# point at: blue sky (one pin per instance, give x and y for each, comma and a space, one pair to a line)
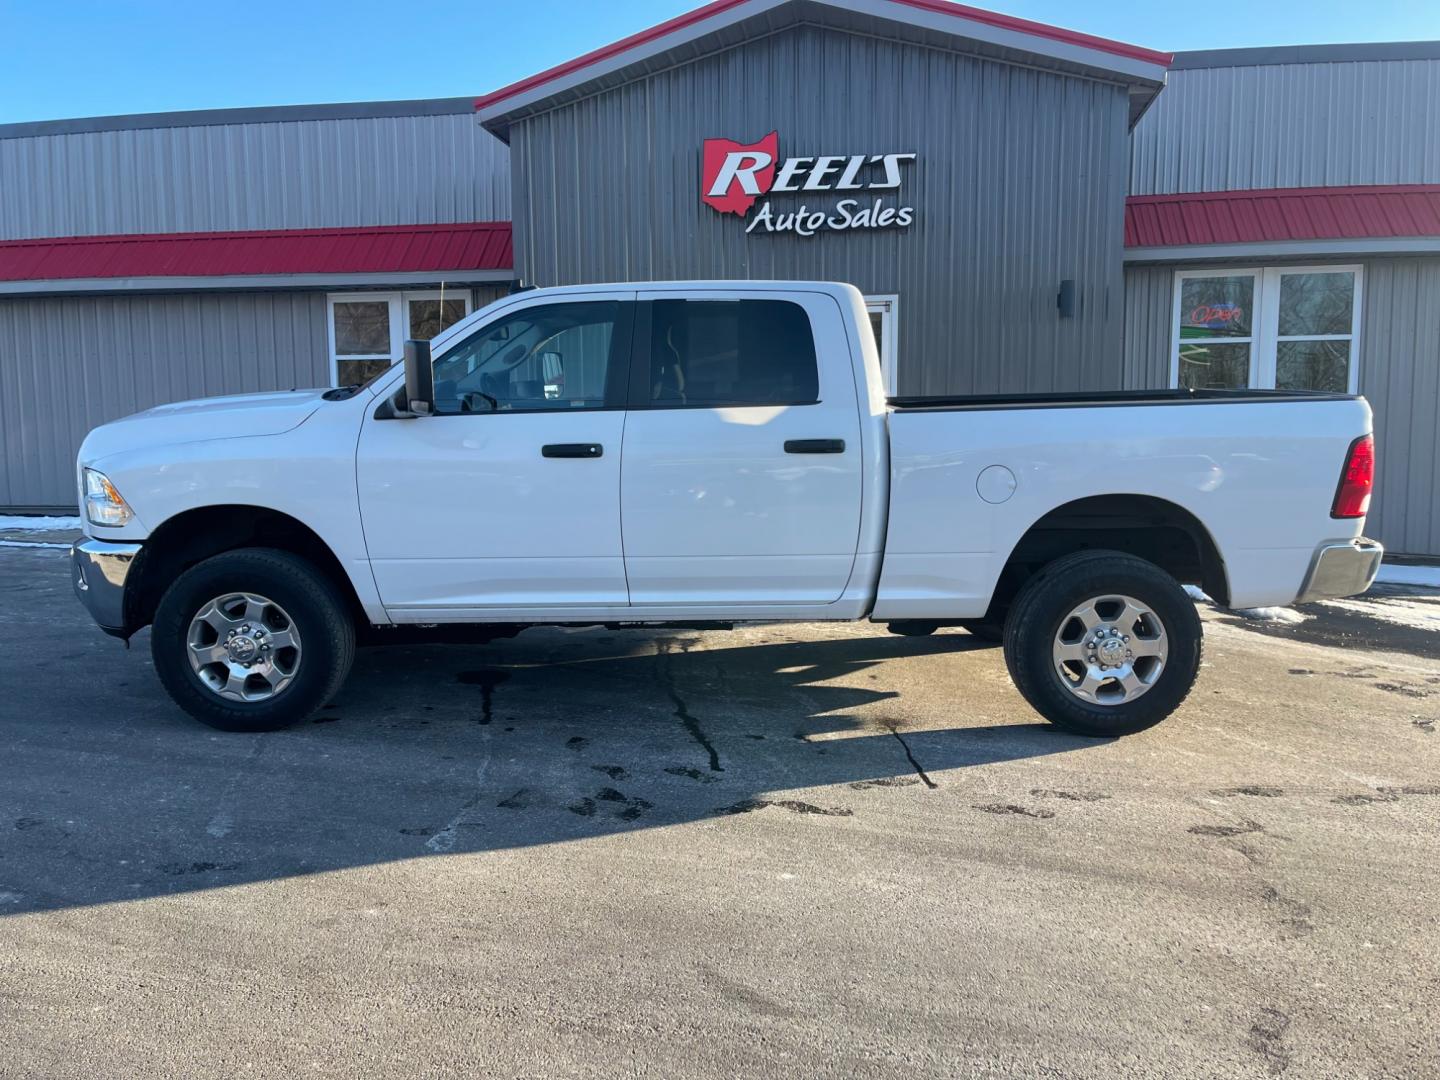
93, 57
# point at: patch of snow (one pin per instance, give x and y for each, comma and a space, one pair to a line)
1271, 614
47, 524
1391, 574
32, 544
1197, 593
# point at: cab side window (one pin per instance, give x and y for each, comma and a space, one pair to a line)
549, 357
730, 352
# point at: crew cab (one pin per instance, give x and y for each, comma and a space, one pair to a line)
707, 453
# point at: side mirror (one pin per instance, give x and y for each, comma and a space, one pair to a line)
419, 379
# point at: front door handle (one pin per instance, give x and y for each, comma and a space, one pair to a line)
814, 446
572, 449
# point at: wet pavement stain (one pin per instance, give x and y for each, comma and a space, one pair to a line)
795, 806
487, 679
1014, 808
1403, 690
576, 742
1069, 796
1257, 790
1222, 831
1266, 1038
886, 782
1295, 914
615, 772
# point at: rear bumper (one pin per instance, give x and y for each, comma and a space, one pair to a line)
1341, 568
99, 570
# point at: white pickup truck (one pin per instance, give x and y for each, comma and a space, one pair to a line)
706, 453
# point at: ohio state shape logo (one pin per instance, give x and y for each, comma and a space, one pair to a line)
735, 175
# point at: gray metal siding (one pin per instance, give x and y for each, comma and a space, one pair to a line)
1400, 374
1291, 125
70, 363
1149, 299
1019, 183
387, 170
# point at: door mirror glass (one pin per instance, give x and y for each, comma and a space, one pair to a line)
419, 379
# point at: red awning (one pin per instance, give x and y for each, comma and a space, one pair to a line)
380, 249
1280, 214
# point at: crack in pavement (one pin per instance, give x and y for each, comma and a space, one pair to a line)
909, 754
682, 711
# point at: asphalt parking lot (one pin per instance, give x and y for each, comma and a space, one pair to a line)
782, 851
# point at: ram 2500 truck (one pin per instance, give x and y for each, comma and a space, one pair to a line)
702, 454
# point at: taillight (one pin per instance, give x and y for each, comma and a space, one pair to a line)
1352, 499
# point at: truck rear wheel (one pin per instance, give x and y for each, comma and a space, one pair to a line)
1103, 643
252, 640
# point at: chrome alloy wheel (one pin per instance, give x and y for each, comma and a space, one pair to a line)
1110, 650
243, 647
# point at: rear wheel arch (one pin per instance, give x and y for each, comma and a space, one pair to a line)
192, 536
1154, 529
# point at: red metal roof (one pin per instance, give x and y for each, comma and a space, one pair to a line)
716, 7
477, 245
1278, 214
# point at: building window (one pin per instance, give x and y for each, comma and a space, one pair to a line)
885, 324
368, 330
1278, 327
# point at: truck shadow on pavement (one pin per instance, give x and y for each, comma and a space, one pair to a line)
109, 793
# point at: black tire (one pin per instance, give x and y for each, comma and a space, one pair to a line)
985, 631
1048, 598
307, 597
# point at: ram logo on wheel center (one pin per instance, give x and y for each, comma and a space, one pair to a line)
736, 175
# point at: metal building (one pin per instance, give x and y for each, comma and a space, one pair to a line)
968, 171
1283, 229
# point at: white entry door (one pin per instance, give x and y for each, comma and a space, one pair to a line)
508, 498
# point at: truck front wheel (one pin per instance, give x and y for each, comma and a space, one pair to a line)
1103, 643
252, 640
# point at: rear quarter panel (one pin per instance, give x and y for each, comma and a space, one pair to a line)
1259, 476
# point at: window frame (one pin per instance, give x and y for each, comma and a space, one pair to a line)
1265, 336
887, 306
638, 398
398, 301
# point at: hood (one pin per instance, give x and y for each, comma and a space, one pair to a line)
206, 418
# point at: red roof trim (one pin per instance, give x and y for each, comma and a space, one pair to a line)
1281, 214
717, 7
379, 249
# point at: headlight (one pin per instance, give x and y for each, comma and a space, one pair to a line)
103, 504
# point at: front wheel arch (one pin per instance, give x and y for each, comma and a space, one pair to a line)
190, 537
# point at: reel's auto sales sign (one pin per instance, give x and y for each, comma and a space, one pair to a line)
735, 176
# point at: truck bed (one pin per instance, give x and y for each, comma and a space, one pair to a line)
1090, 399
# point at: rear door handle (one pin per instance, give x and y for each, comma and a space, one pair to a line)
572, 449
814, 446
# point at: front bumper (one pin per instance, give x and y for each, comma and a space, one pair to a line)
99, 571
1341, 568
